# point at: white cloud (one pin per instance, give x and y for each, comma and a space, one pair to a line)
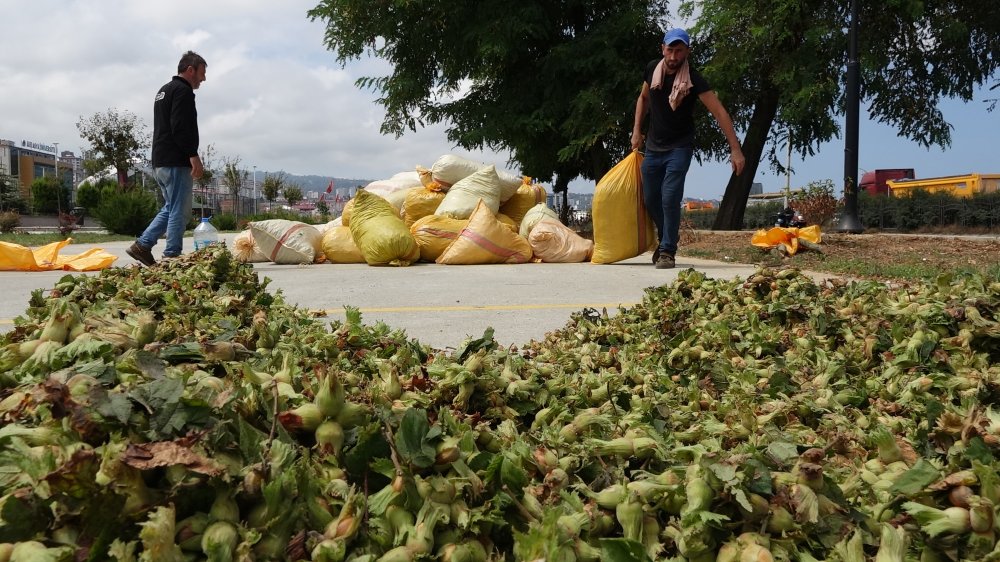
275, 97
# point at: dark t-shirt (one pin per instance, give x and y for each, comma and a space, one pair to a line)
669, 128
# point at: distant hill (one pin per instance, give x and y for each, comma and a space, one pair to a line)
317, 183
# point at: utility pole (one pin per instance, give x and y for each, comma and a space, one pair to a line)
59, 186
255, 190
849, 221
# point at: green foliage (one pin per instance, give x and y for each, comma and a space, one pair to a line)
10, 194
757, 216
117, 138
224, 221
126, 212
293, 194
49, 195
88, 195
552, 82
273, 185
930, 211
9, 220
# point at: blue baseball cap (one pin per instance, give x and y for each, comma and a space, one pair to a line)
677, 34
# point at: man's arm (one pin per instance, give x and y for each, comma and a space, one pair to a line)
641, 107
711, 101
197, 170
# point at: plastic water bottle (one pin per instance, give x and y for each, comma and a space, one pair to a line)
205, 234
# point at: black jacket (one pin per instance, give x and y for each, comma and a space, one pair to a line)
175, 125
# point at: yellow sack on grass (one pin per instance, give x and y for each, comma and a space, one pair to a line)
420, 202
339, 246
287, 242
462, 198
535, 214
553, 242
622, 228
434, 234
486, 240
527, 196
380, 234
15, 257
790, 238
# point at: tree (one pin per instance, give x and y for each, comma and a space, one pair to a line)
323, 209
293, 194
778, 66
235, 178
10, 194
207, 161
272, 186
117, 138
554, 82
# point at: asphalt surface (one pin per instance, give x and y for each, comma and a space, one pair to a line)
438, 305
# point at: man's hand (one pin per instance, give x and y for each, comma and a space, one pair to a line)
737, 161
197, 170
636, 140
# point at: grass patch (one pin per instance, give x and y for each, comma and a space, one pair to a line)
40, 239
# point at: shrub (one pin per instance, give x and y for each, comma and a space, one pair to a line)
127, 213
48, 195
816, 202
224, 221
88, 195
9, 220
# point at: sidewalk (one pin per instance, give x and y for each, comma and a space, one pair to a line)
438, 305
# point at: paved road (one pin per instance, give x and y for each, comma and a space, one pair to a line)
438, 305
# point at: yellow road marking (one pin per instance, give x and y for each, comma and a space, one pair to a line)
470, 308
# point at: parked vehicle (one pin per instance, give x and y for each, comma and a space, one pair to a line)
874, 182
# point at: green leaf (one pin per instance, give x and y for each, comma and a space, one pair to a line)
371, 445
782, 452
759, 480
23, 518
921, 475
115, 406
978, 451
412, 440
512, 475
251, 439
622, 550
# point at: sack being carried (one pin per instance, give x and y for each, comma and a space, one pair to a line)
622, 227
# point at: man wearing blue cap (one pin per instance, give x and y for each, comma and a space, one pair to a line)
669, 89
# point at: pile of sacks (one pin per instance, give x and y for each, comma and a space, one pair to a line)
456, 212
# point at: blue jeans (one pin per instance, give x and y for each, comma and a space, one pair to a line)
663, 176
176, 185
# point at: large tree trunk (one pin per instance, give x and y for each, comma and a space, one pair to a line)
734, 201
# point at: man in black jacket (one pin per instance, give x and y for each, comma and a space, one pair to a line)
176, 163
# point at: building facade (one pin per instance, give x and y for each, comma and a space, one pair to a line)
28, 160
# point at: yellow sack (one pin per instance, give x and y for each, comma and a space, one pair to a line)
622, 228
790, 238
553, 242
345, 215
465, 194
527, 196
535, 214
507, 221
434, 234
339, 246
420, 202
15, 257
486, 240
379, 232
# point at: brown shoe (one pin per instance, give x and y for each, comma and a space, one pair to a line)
656, 255
141, 254
666, 261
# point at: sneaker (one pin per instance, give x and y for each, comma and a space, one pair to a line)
141, 254
656, 256
665, 261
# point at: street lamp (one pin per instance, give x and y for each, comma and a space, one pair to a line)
58, 183
255, 190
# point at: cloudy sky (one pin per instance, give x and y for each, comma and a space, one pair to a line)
276, 98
